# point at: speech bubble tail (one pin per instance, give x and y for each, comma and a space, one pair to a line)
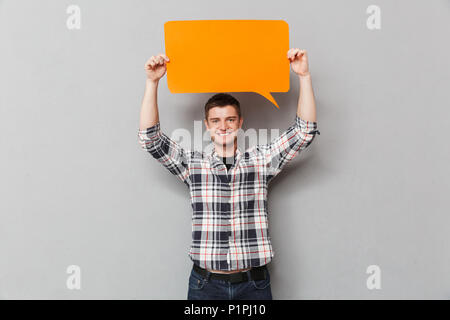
269, 97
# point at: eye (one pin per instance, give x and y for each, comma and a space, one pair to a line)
231, 120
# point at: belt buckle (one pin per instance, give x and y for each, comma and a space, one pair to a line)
236, 277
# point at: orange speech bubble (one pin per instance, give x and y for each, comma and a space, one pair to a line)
228, 56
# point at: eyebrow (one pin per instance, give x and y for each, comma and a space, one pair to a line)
234, 117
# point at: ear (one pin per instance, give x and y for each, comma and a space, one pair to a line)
240, 121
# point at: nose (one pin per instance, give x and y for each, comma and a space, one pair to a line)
223, 126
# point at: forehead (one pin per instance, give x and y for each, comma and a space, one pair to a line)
222, 112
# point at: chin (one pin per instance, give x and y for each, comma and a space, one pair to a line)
224, 143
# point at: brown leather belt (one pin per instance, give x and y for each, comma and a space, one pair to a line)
256, 273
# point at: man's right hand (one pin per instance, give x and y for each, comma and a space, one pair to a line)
155, 67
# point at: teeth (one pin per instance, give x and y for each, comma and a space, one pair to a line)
224, 134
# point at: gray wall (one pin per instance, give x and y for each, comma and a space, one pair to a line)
77, 189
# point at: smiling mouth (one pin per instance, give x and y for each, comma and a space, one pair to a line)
224, 134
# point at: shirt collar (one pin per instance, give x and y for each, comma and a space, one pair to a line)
216, 159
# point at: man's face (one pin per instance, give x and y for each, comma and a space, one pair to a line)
223, 124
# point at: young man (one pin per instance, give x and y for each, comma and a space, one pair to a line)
231, 245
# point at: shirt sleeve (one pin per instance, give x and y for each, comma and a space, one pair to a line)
169, 153
284, 148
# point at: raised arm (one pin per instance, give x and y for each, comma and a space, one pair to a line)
155, 68
298, 136
306, 108
150, 136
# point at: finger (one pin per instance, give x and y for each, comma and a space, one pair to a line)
303, 55
293, 57
148, 61
293, 53
166, 57
289, 52
290, 55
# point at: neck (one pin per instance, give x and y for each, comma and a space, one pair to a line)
226, 151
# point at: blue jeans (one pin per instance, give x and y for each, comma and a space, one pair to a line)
214, 289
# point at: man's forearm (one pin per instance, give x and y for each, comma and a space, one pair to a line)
149, 110
306, 103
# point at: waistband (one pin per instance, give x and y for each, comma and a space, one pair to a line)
255, 273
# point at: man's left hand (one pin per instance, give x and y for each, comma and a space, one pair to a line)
299, 61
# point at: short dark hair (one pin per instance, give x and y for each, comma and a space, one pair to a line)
222, 100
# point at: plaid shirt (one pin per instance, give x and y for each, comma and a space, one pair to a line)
230, 228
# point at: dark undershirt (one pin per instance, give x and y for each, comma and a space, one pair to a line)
228, 161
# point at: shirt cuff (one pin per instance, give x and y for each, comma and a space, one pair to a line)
306, 126
151, 133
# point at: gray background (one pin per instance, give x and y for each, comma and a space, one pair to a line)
77, 189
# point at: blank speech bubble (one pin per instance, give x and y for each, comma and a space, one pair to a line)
228, 56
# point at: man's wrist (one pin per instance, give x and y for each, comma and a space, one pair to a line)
152, 82
304, 76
